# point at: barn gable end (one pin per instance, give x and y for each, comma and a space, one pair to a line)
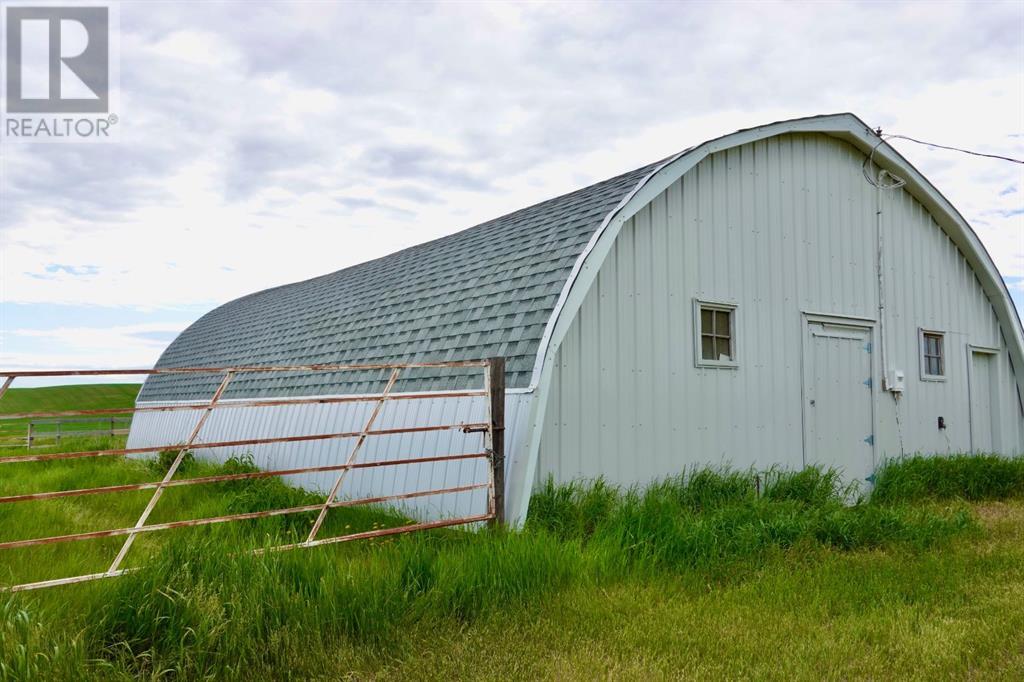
781, 232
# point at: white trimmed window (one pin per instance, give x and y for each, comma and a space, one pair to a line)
933, 355
714, 334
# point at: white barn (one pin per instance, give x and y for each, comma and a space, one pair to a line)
791, 294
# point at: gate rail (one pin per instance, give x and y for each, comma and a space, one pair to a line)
493, 450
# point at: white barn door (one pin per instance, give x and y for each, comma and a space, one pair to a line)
838, 419
984, 426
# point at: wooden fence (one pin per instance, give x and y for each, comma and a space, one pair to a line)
51, 431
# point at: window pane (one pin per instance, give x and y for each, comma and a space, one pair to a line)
707, 347
933, 364
722, 349
722, 323
716, 333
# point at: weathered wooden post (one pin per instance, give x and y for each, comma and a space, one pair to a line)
28, 437
496, 435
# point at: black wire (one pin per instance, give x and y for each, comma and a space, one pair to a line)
955, 149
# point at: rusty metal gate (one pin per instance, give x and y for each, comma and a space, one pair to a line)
491, 429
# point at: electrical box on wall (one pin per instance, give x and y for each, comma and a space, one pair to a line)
895, 380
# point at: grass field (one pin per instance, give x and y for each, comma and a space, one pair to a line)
698, 577
55, 398
703, 576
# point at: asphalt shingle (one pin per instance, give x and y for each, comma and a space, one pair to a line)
489, 289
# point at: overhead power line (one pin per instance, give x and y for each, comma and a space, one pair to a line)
954, 149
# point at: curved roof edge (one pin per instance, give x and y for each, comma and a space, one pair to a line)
845, 126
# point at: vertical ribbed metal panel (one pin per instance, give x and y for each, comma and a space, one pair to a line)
781, 227
157, 428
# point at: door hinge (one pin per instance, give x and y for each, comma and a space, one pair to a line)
868, 382
867, 346
870, 440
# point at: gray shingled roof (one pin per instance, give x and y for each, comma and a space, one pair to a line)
485, 291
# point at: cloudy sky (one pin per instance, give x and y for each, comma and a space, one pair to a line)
263, 143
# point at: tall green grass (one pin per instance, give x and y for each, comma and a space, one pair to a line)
42, 518
199, 612
965, 477
201, 607
709, 517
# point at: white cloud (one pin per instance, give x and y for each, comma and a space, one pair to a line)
135, 346
258, 148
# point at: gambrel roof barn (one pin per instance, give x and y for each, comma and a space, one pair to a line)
791, 294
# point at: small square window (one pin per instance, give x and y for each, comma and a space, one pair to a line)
933, 355
715, 338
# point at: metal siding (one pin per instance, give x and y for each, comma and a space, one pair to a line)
781, 226
157, 428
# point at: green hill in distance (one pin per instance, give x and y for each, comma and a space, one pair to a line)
56, 398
